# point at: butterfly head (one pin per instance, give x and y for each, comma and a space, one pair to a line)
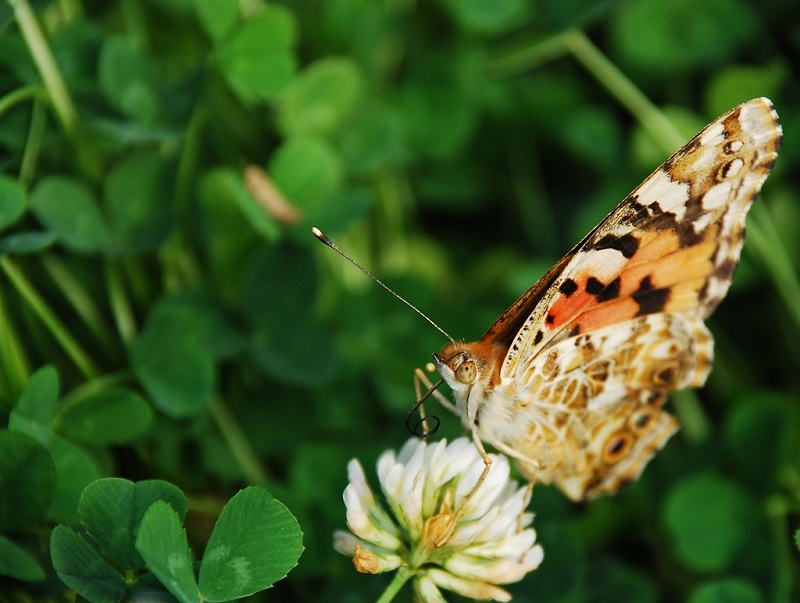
458, 368
468, 368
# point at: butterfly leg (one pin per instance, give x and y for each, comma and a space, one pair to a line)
508, 451
419, 377
487, 462
447, 530
446, 527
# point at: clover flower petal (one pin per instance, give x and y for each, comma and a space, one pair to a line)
431, 525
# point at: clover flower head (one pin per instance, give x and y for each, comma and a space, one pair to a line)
426, 527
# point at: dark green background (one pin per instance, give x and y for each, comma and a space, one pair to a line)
457, 148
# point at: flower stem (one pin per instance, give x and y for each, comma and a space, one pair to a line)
623, 89
45, 64
238, 443
782, 553
120, 304
36, 132
81, 300
774, 256
529, 56
400, 578
14, 366
20, 95
187, 162
46, 314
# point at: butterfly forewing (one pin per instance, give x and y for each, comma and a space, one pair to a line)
672, 244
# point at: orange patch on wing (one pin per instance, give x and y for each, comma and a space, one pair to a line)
654, 245
683, 296
682, 265
565, 308
662, 261
607, 313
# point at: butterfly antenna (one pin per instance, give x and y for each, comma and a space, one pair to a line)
321, 236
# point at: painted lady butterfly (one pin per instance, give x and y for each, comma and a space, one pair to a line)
570, 380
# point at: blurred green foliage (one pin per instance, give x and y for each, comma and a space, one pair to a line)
164, 316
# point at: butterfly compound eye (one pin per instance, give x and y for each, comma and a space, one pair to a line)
467, 372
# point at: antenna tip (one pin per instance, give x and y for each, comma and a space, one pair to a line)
320, 235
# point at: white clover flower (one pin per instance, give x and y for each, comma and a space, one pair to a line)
427, 532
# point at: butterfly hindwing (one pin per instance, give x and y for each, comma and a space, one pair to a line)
596, 418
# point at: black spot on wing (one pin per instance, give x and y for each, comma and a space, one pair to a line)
568, 287
726, 269
538, 337
601, 291
610, 291
663, 221
630, 211
650, 299
626, 244
654, 217
593, 286
687, 235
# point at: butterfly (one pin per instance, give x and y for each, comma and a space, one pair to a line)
571, 379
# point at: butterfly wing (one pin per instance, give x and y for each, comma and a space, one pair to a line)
629, 297
671, 246
596, 419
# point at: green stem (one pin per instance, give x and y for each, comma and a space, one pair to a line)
187, 163
33, 146
39, 306
45, 64
20, 95
238, 443
120, 304
14, 367
782, 554
80, 300
766, 242
400, 578
177, 259
621, 88
528, 57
